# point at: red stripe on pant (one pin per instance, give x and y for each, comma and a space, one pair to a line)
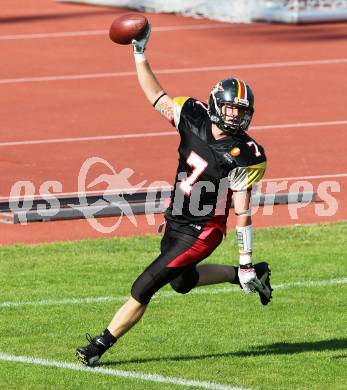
201, 249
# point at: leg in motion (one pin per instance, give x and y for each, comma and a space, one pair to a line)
154, 277
125, 318
216, 273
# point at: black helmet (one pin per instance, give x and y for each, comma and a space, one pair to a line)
233, 93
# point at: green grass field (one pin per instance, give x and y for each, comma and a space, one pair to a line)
216, 335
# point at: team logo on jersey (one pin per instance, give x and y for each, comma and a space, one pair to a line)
197, 227
235, 152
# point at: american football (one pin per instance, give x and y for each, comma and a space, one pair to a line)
128, 27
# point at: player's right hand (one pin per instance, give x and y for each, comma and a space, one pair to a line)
139, 45
248, 279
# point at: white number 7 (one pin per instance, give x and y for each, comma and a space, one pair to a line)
252, 143
199, 165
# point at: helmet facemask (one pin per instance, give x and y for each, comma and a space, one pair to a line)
232, 115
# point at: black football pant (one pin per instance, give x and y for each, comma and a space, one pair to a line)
176, 263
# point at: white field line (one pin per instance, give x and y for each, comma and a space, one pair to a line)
117, 373
169, 294
313, 177
160, 134
300, 124
84, 76
67, 34
84, 139
111, 192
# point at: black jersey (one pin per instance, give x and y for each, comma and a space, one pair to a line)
209, 170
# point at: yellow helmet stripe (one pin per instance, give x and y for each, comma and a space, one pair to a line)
238, 89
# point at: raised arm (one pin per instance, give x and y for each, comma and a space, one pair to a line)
148, 81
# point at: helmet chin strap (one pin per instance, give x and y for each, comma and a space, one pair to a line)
227, 129
221, 125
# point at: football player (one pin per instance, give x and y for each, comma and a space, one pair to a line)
217, 160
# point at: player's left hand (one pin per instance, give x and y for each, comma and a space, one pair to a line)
140, 45
248, 279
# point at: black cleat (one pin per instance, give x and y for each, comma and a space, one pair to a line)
91, 353
263, 274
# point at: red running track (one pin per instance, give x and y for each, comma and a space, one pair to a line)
62, 79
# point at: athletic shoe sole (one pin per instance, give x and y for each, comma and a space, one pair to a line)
83, 359
263, 274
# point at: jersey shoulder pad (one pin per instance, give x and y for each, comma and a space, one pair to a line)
188, 110
244, 178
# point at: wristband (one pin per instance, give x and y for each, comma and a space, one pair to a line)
139, 57
246, 261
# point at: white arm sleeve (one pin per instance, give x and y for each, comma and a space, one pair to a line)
244, 235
